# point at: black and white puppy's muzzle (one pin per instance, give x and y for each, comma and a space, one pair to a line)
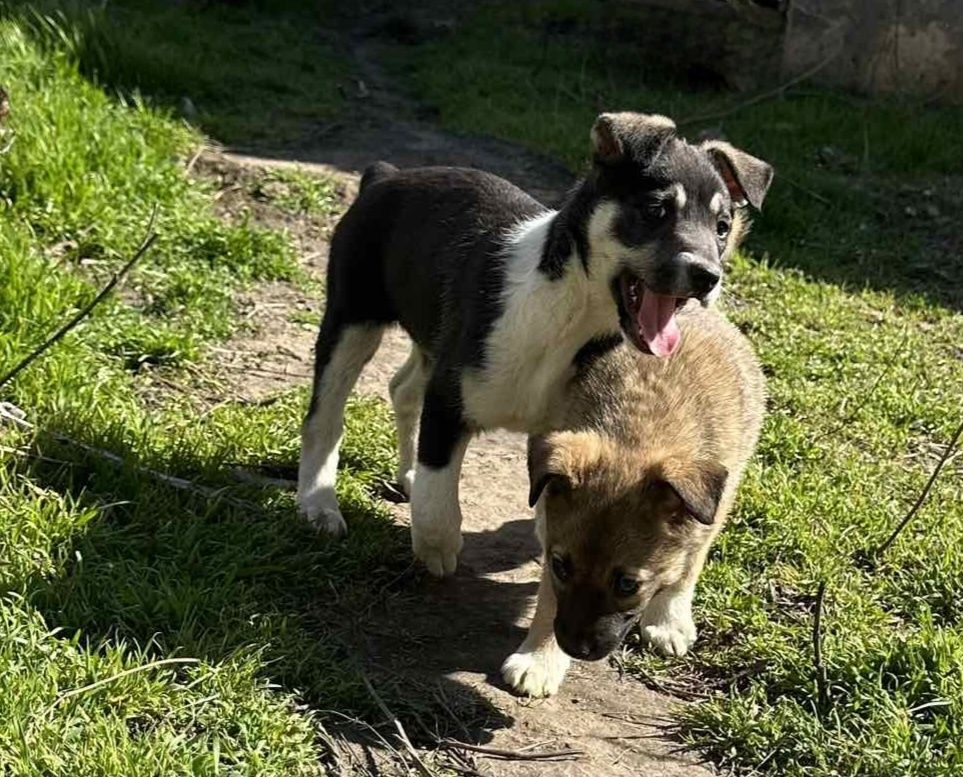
647, 306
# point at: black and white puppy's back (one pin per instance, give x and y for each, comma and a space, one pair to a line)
503, 298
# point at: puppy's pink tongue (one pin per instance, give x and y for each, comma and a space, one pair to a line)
657, 324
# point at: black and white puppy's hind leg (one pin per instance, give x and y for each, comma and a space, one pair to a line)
341, 353
435, 510
407, 390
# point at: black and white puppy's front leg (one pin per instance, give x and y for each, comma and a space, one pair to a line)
435, 510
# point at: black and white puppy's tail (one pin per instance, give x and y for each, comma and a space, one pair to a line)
375, 172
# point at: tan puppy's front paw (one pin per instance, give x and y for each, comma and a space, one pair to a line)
536, 673
438, 550
672, 638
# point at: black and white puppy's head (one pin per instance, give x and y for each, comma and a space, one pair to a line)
664, 215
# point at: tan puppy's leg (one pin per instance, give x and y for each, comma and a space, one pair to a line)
667, 623
539, 664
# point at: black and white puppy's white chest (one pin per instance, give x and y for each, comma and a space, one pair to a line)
547, 317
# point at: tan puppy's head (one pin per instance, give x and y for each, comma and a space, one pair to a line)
620, 524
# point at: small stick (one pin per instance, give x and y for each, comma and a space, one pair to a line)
823, 692
43, 347
658, 721
806, 190
511, 755
923, 494
246, 476
193, 160
443, 700
120, 675
402, 734
367, 727
181, 484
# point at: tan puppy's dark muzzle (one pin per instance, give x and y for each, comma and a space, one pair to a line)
594, 639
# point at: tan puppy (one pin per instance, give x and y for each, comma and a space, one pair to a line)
630, 498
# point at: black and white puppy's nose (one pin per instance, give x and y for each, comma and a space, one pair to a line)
702, 274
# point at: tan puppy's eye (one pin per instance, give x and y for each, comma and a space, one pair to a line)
561, 567
625, 585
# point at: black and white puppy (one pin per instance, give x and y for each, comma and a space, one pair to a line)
504, 298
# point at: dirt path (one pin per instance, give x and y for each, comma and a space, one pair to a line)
382, 122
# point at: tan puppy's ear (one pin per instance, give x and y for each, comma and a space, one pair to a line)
746, 177
638, 136
699, 486
561, 459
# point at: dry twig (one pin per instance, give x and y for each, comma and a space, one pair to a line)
512, 755
762, 97
60, 333
923, 494
13, 415
400, 729
126, 673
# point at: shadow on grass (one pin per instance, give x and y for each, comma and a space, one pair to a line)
243, 71
188, 576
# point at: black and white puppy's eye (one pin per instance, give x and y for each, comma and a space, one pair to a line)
561, 568
655, 211
625, 585
722, 228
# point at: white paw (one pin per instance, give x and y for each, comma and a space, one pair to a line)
537, 673
437, 547
673, 638
328, 520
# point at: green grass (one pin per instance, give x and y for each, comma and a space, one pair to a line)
247, 73
851, 291
845, 166
107, 570
296, 192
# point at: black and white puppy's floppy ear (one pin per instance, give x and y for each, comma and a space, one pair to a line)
638, 137
746, 177
698, 485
